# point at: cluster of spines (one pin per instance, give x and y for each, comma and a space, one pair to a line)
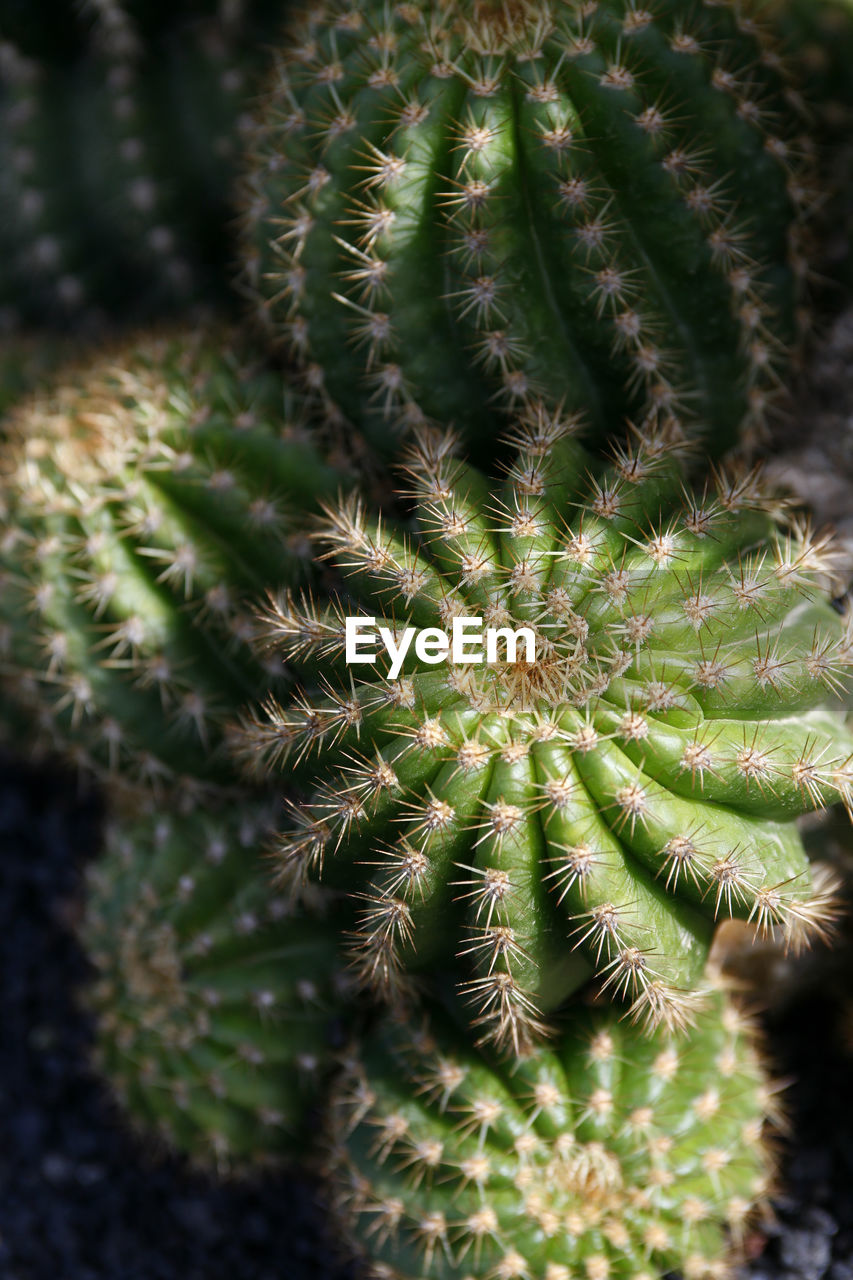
361, 114
606, 1156
150, 493
215, 1006
610, 800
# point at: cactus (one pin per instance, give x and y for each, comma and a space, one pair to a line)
149, 492
596, 803
116, 174
467, 204
607, 1155
215, 1011
26, 361
45, 32
819, 36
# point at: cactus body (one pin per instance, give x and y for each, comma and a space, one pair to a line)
214, 1009
115, 178
608, 1155
26, 362
602, 805
148, 494
819, 37
458, 205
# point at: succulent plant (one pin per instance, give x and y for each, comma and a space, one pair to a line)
215, 1010
116, 175
148, 493
818, 37
43, 31
594, 801
608, 1154
458, 205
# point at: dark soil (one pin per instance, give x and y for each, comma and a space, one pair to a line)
813, 1234
79, 1198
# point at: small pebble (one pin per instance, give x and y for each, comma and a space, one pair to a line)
806, 1253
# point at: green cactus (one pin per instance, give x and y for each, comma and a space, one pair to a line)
597, 800
458, 205
608, 1155
26, 362
116, 176
215, 1011
818, 35
148, 494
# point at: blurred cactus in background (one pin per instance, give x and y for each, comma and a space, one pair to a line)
461, 205
116, 171
217, 1011
150, 493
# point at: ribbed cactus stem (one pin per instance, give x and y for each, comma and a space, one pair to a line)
519, 822
608, 1156
216, 1011
150, 493
465, 205
117, 172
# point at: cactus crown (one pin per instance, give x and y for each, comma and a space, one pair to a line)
610, 1155
214, 1008
150, 493
609, 799
459, 204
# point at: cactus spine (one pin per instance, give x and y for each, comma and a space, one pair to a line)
609, 1155
519, 822
215, 1010
149, 492
460, 205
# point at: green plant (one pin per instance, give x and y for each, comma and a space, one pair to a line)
116, 173
215, 1010
458, 205
595, 803
148, 493
609, 1154
817, 36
